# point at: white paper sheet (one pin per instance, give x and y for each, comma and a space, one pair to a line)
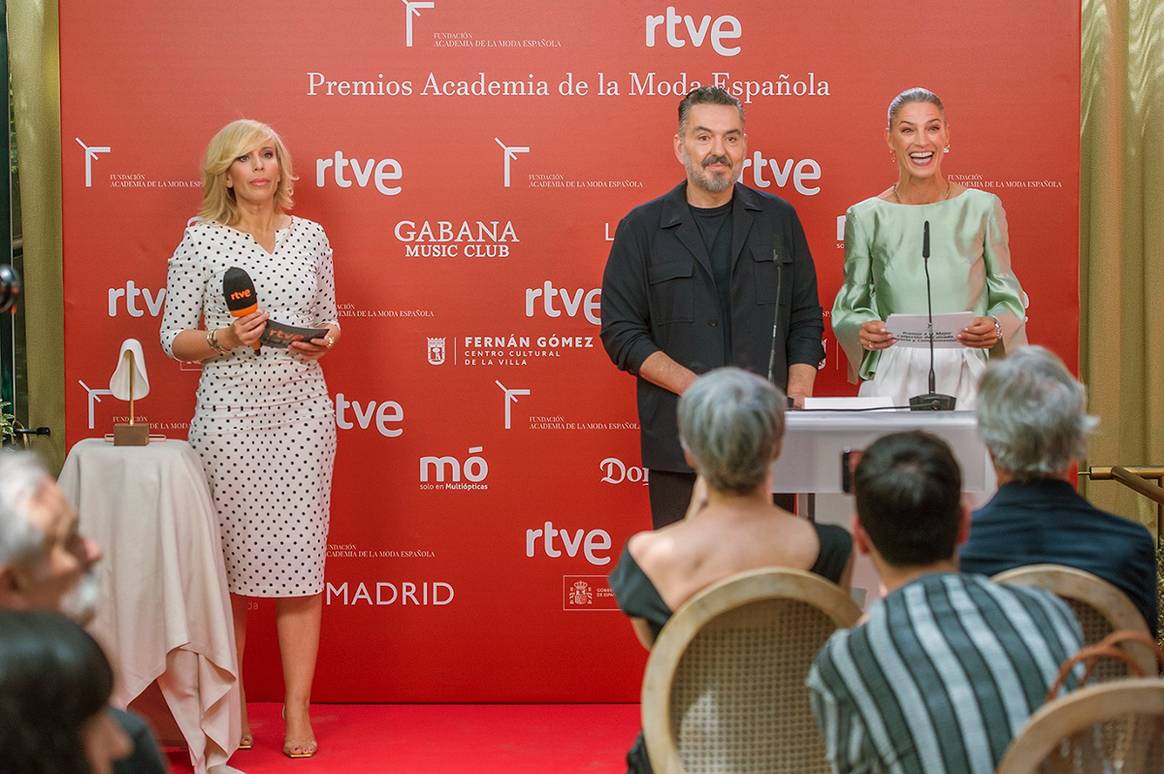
911, 330
847, 403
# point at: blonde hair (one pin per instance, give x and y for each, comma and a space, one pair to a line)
915, 94
232, 141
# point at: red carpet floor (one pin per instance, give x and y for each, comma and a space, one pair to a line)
446, 738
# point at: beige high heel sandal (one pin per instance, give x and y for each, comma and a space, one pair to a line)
303, 749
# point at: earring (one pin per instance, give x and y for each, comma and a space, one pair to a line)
893, 156
946, 149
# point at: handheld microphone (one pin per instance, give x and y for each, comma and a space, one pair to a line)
241, 298
933, 400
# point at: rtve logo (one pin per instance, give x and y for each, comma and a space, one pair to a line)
590, 542
797, 171
449, 468
720, 29
131, 293
377, 171
556, 301
386, 415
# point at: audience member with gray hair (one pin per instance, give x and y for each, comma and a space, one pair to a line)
47, 565
731, 425
1036, 422
1032, 416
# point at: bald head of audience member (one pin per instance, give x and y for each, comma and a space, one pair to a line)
45, 564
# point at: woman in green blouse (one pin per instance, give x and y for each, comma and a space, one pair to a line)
969, 266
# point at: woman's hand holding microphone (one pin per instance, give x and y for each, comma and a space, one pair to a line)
244, 331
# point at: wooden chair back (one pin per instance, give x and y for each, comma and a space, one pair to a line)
1116, 726
724, 689
1100, 607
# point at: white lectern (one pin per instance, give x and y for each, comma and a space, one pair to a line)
810, 464
810, 461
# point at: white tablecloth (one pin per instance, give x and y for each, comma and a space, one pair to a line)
164, 612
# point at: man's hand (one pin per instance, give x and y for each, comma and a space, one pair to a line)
661, 370
801, 377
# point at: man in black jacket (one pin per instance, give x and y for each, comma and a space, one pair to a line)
708, 275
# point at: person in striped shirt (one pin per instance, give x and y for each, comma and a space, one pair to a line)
945, 670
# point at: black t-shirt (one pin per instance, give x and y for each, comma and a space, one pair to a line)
715, 227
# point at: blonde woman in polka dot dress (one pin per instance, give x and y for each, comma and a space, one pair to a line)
263, 421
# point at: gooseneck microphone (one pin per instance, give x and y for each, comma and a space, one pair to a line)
933, 400
776, 313
929, 299
241, 298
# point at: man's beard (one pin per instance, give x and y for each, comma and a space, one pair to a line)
709, 182
80, 604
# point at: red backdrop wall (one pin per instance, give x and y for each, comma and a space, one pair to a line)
436, 589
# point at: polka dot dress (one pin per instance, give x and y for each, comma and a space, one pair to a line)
263, 423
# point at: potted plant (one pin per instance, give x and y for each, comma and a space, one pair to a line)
7, 425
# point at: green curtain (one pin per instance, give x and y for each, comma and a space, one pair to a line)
8, 397
1122, 240
36, 104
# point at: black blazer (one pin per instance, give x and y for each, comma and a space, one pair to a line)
658, 293
1046, 520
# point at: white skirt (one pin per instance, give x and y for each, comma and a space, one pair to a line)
903, 372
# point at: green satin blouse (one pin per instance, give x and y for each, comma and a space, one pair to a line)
969, 268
